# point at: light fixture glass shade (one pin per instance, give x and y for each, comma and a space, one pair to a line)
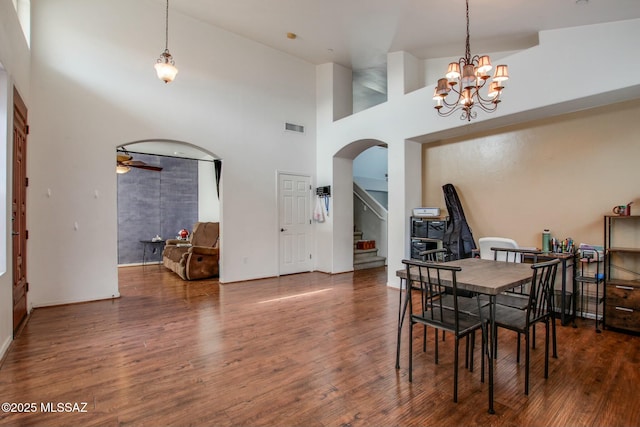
122, 169
502, 73
453, 72
484, 64
165, 69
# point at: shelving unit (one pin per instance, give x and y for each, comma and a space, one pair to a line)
590, 276
426, 234
622, 272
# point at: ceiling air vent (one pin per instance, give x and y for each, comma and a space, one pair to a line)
294, 128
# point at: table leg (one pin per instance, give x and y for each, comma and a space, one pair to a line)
144, 253
490, 348
402, 309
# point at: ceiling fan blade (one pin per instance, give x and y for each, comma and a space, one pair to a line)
134, 163
122, 157
125, 159
147, 167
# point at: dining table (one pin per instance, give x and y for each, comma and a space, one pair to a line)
481, 276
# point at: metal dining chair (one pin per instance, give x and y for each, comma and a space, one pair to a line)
431, 255
514, 297
518, 298
539, 309
431, 279
466, 300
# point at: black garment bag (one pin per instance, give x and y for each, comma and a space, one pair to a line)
458, 239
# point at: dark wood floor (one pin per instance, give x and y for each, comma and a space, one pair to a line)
300, 350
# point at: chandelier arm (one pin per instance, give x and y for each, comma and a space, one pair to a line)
452, 106
487, 108
447, 113
484, 100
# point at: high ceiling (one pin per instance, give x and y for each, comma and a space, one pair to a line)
359, 33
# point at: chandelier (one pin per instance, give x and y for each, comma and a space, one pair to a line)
467, 86
165, 65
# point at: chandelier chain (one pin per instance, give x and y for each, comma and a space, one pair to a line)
467, 52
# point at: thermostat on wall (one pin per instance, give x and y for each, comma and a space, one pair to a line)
423, 212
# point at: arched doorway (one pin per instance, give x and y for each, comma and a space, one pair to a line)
162, 187
365, 212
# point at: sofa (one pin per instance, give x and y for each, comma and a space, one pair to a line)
197, 257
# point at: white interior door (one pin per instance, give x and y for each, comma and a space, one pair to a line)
294, 200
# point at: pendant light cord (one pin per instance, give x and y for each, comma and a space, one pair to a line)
166, 26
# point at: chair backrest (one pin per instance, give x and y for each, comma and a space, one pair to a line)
205, 234
434, 255
432, 280
541, 292
515, 255
486, 243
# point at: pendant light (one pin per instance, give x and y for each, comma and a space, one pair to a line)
165, 65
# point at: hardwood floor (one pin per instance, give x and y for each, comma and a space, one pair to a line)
301, 350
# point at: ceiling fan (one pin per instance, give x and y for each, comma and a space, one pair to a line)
124, 163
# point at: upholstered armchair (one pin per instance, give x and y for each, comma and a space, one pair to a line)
196, 258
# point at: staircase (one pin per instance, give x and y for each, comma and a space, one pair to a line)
365, 258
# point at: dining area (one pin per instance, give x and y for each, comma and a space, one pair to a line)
459, 299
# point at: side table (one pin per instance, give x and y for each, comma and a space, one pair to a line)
154, 247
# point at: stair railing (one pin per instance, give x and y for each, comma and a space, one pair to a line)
370, 202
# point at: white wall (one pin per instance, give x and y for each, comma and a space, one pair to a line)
370, 169
95, 88
208, 201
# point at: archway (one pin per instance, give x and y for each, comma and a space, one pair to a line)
353, 197
167, 185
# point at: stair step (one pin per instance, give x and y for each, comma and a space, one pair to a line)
365, 258
371, 262
360, 254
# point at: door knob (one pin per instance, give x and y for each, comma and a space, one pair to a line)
282, 229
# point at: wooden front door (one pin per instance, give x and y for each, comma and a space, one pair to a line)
19, 211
